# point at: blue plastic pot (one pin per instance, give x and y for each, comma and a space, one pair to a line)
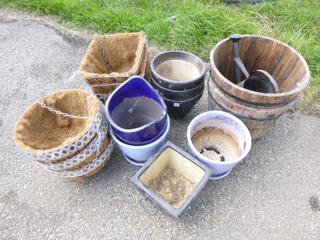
136, 87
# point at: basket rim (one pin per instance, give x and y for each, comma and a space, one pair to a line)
28, 149
134, 69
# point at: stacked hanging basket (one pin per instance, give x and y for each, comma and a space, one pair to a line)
66, 133
112, 59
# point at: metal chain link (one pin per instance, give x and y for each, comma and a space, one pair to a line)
106, 60
116, 82
104, 97
67, 115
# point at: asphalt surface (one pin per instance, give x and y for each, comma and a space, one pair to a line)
273, 194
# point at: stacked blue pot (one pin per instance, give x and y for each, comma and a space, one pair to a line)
138, 119
178, 76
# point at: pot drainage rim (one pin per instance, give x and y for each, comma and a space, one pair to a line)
220, 176
133, 162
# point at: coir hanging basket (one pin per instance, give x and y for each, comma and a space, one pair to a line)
40, 130
112, 59
66, 133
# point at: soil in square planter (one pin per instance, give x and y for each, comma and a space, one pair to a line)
172, 186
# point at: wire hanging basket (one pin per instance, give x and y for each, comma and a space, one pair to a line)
66, 133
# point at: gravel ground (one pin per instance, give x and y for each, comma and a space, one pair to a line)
273, 194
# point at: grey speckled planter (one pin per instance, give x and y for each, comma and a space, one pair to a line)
180, 161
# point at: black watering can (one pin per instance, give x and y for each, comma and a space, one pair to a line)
259, 81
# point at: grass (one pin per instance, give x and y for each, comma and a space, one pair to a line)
198, 24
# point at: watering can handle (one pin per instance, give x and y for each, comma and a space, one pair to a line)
238, 64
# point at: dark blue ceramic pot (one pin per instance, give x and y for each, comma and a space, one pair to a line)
149, 132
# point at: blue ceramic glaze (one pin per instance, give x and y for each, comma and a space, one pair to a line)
136, 87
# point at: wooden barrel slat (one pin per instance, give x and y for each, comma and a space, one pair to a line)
257, 127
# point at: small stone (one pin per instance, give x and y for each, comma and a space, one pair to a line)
314, 204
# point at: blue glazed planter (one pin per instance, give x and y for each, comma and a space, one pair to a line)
136, 87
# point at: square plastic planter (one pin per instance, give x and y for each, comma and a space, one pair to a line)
112, 59
172, 179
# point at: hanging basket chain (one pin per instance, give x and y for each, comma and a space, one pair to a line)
106, 60
102, 50
67, 115
116, 82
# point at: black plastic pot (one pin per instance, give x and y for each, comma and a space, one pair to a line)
177, 55
178, 94
178, 109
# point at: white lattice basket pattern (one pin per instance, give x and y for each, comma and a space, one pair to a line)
90, 168
85, 156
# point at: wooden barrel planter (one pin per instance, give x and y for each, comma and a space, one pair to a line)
258, 111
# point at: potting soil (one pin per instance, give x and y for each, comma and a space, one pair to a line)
172, 186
